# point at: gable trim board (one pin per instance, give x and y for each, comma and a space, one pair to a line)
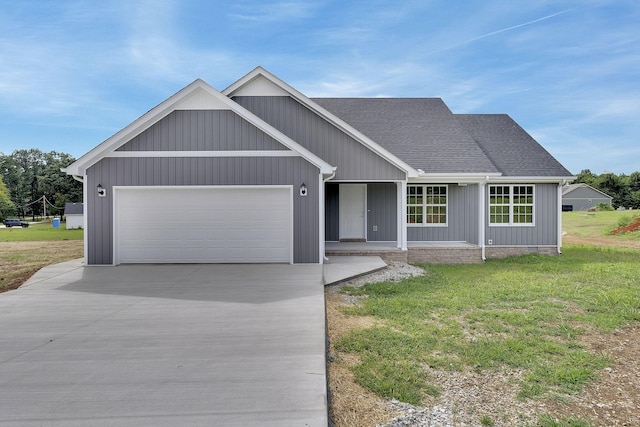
207, 96
261, 82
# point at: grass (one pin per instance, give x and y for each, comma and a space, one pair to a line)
39, 232
24, 251
526, 313
601, 223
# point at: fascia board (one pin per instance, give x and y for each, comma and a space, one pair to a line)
330, 117
530, 179
166, 107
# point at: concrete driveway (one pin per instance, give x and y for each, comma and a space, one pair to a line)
164, 345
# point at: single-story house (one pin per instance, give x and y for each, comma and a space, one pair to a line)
74, 214
582, 197
261, 173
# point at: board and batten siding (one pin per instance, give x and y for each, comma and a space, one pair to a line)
176, 171
202, 130
354, 161
381, 212
462, 218
543, 233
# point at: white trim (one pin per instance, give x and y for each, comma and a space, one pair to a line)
321, 217
511, 205
221, 153
85, 210
117, 188
425, 204
237, 87
402, 215
482, 188
174, 102
559, 213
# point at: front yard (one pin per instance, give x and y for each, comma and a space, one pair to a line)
528, 341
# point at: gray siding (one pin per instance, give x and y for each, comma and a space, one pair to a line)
354, 161
584, 198
332, 212
202, 171
202, 130
462, 221
546, 222
382, 211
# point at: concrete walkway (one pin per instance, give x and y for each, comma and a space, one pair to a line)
342, 268
164, 345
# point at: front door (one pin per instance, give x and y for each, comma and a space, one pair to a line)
353, 205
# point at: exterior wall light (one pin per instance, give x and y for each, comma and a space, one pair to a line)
102, 192
303, 190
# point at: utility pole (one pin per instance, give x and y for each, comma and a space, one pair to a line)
44, 205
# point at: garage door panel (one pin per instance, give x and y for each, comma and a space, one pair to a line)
239, 224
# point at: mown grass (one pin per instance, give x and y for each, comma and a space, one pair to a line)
601, 223
39, 232
524, 313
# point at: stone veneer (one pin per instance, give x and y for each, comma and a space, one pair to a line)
445, 255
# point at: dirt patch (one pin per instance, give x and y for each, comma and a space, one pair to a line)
633, 226
613, 400
20, 260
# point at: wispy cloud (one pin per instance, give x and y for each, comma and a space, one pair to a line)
271, 12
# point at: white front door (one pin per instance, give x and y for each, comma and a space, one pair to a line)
353, 206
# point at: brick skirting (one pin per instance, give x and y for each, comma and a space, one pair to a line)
445, 255
387, 256
507, 251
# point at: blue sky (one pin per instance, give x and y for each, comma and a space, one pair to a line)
73, 73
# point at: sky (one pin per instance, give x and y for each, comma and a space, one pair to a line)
73, 73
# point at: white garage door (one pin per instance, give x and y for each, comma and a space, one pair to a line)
203, 224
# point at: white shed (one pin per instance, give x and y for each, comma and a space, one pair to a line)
74, 212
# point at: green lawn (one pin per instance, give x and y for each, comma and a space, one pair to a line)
594, 224
39, 232
524, 313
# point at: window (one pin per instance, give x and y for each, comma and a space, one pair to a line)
511, 204
427, 205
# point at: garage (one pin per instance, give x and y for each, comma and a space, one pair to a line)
198, 224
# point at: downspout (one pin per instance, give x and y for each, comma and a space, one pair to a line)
322, 214
482, 192
559, 208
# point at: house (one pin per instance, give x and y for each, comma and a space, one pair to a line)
74, 213
261, 173
582, 197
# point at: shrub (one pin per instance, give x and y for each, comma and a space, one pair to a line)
604, 207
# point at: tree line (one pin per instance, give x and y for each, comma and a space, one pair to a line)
625, 189
28, 175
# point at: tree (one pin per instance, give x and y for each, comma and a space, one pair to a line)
30, 174
7, 207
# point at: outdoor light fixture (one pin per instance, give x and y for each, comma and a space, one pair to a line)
102, 192
303, 189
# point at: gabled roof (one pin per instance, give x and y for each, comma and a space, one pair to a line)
261, 82
509, 147
572, 187
74, 208
421, 131
196, 96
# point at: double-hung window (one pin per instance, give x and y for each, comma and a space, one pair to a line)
427, 205
511, 204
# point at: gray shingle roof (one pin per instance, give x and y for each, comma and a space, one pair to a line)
73, 208
509, 147
421, 131
424, 133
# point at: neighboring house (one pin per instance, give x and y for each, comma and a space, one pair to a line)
582, 197
74, 213
261, 173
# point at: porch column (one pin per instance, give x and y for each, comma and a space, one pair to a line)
402, 214
481, 216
